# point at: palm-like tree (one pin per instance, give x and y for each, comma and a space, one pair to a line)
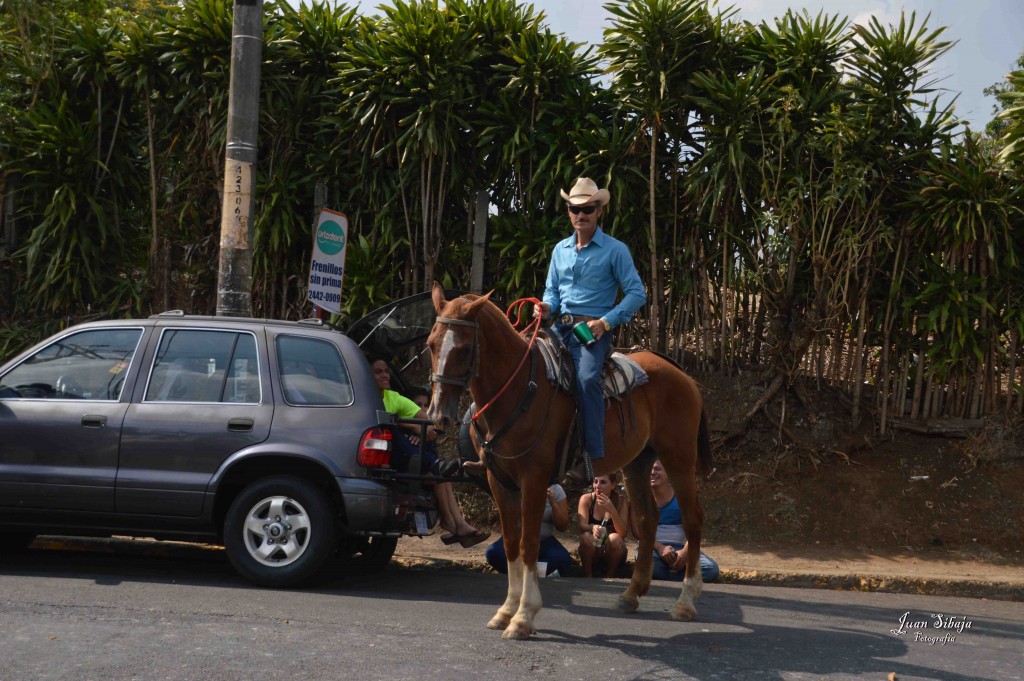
653, 47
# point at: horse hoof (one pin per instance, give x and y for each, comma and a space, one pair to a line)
682, 614
626, 605
517, 632
497, 622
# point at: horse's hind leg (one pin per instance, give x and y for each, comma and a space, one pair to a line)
511, 531
644, 517
682, 473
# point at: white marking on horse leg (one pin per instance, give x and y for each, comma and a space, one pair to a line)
512, 598
530, 603
684, 610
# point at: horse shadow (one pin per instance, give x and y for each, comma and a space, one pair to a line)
743, 645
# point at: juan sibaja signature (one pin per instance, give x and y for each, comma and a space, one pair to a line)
929, 630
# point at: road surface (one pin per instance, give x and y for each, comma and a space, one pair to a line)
179, 612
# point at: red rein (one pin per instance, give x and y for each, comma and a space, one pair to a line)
517, 307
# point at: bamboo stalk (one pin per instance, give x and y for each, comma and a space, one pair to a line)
916, 405
926, 403
1012, 371
900, 407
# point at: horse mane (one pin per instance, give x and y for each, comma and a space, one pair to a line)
495, 312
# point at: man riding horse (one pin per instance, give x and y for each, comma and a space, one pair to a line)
586, 272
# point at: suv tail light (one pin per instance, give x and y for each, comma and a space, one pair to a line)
375, 448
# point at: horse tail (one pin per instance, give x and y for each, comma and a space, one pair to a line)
703, 446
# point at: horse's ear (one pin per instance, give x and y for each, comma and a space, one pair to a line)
475, 306
437, 295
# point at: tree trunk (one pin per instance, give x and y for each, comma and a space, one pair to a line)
858, 354
656, 289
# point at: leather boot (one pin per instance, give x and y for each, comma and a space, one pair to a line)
474, 467
576, 477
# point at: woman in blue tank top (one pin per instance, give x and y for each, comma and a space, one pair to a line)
670, 540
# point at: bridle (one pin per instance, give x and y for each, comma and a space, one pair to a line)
474, 370
474, 362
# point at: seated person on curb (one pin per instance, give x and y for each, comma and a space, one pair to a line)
670, 547
406, 445
556, 517
604, 502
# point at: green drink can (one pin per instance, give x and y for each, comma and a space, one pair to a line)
583, 334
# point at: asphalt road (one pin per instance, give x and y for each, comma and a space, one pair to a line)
178, 612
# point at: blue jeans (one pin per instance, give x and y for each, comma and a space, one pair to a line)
402, 450
708, 568
588, 363
551, 552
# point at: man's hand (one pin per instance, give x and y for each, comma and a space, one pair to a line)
543, 310
596, 327
668, 555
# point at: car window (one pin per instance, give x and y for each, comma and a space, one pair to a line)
87, 365
312, 372
193, 365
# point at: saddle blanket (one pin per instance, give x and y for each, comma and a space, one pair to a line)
619, 375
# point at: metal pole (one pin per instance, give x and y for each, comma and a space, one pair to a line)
319, 203
234, 277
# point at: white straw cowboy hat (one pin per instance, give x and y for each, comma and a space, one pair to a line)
584, 191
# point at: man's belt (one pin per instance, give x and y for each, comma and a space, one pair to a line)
571, 319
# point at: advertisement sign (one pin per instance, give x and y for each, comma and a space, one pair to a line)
327, 268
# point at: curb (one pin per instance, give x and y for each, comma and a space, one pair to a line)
997, 591
1000, 591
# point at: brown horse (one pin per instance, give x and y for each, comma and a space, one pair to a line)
473, 345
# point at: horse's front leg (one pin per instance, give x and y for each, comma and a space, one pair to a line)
511, 531
504, 615
530, 601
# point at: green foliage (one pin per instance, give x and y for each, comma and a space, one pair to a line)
1012, 115
803, 168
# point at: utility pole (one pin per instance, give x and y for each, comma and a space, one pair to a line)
234, 275
479, 261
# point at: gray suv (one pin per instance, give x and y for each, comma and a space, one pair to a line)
266, 436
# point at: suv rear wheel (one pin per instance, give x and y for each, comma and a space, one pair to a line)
280, 531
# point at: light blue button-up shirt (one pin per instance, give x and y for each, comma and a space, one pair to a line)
587, 281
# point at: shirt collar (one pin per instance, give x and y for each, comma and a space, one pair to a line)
598, 239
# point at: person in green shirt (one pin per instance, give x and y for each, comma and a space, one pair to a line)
405, 443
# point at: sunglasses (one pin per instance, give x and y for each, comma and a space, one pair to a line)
586, 210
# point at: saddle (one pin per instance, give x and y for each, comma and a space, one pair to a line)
619, 375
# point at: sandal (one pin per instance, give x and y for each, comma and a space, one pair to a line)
466, 540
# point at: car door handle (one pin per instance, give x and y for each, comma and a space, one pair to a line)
240, 425
94, 421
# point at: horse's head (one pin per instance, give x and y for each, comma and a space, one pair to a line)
454, 344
